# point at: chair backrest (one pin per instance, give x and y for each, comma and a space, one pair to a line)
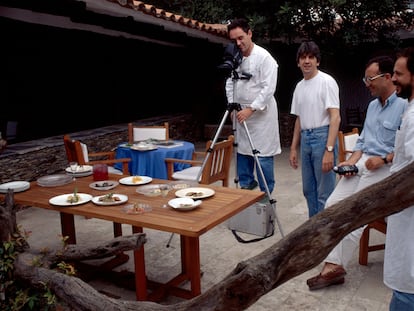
347, 142
75, 150
218, 163
140, 132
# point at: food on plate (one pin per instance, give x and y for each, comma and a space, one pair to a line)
104, 184
194, 194
110, 197
73, 198
136, 179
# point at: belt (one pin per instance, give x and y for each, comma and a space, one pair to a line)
316, 129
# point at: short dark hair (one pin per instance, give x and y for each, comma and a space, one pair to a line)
409, 54
385, 64
308, 48
239, 22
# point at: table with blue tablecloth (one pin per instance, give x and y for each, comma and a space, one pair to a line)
151, 162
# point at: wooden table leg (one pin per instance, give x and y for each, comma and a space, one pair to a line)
67, 223
190, 262
139, 267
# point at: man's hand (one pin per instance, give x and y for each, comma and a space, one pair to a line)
327, 161
244, 114
374, 162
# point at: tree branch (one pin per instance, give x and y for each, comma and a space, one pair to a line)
299, 251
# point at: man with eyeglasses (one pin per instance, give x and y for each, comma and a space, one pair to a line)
368, 80
373, 154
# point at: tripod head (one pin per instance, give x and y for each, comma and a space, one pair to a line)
233, 106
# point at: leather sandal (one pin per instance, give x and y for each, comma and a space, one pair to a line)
333, 277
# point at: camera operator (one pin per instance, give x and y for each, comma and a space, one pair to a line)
253, 87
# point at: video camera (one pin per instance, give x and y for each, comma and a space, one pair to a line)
232, 58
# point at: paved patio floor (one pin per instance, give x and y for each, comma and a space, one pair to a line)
220, 253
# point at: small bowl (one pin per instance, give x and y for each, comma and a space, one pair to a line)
137, 208
154, 190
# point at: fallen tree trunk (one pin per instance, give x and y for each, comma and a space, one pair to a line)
299, 251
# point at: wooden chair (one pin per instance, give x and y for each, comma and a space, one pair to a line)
140, 132
77, 151
346, 143
217, 166
364, 246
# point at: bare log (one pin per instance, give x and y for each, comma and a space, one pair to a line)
299, 251
75, 253
75, 292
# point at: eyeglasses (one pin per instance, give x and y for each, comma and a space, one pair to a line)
368, 80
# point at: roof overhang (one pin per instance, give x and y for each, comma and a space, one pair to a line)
130, 20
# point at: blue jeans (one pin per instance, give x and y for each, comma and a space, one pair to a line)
245, 169
401, 301
316, 185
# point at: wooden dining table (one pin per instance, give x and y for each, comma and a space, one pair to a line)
190, 225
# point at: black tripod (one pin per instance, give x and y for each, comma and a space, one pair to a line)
255, 152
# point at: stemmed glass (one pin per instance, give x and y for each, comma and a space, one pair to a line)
73, 166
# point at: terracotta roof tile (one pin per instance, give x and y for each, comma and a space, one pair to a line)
215, 29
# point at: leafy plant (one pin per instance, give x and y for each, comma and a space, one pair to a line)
16, 295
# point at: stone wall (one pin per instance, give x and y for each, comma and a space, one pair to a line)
31, 160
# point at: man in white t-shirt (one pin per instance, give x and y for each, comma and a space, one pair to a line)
316, 106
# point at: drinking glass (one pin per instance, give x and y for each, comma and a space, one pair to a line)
73, 166
100, 172
164, 189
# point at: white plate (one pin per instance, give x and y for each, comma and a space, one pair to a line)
61, 200
80, 169
83, 174
144, 147
16, 186
104, 185
54, 180
195, 193
123, 198
184, 204
129, 181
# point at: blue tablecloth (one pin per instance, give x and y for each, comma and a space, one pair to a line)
151, 163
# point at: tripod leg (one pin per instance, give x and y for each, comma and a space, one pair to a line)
236, 176
223, 120
169, 240
259, 168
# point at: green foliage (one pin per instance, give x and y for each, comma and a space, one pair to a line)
16, 295
337, 23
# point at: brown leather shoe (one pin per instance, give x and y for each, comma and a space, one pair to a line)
333, 277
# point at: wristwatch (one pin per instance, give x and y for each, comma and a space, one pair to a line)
329, 148
385, 160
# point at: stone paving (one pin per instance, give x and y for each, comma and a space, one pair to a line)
220, 253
